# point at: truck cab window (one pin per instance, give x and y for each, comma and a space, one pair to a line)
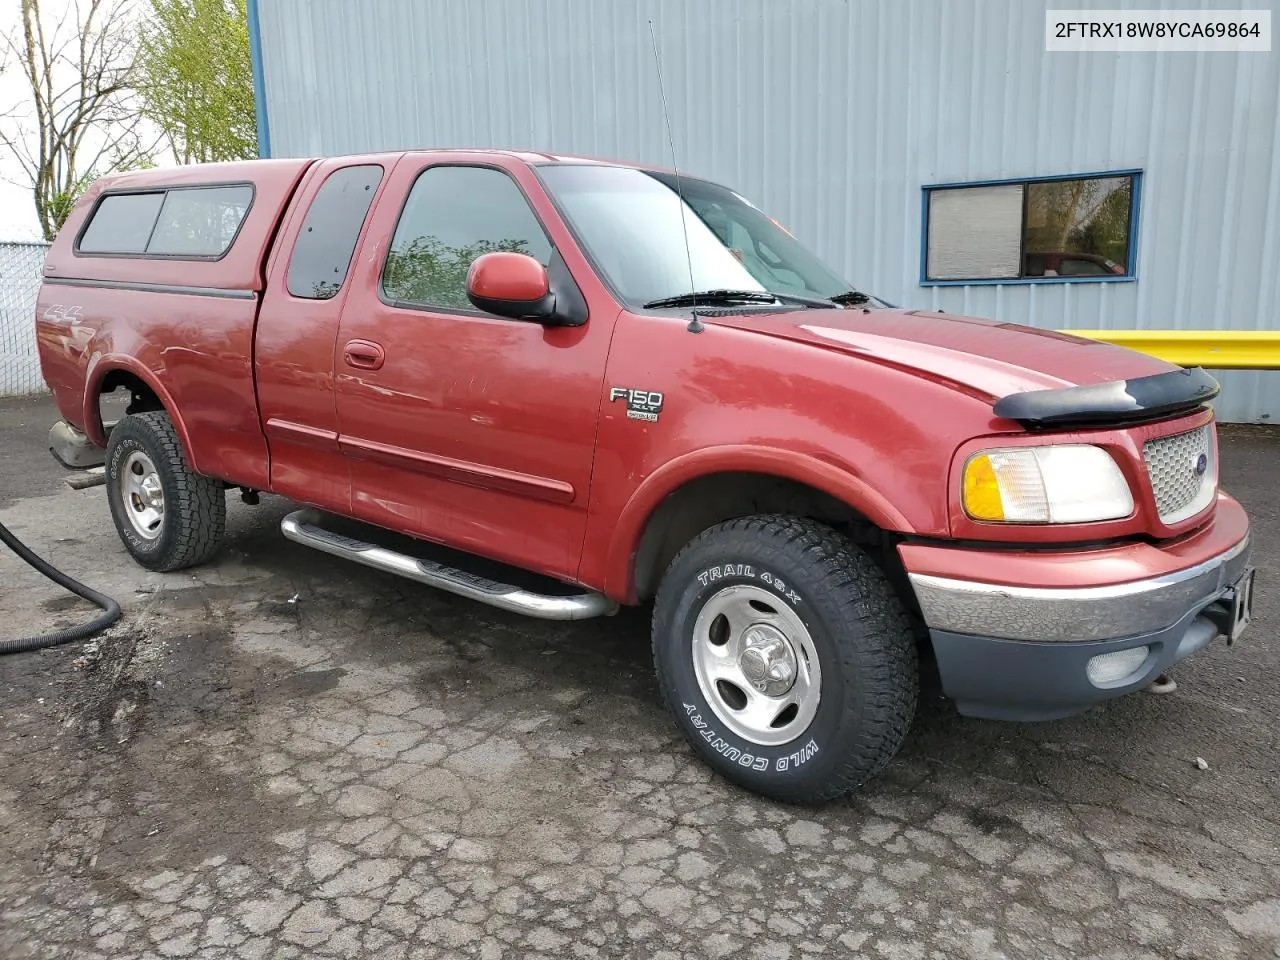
453, 215
322, 253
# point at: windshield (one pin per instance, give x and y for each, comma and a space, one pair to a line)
629, 221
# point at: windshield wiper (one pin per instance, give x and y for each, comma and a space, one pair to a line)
712, 296
735, 296
851, 298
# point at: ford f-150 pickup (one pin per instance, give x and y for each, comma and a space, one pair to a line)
602, 384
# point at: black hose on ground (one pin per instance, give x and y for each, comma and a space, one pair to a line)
111, 609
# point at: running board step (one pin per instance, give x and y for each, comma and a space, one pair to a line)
302, 526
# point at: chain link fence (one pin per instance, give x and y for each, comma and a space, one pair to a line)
21, 268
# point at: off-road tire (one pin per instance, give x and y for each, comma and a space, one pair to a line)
858, 627
195, 506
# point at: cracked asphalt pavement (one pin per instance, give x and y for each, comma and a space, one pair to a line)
286, 755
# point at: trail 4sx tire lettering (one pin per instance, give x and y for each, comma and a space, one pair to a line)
168, 516
785, 656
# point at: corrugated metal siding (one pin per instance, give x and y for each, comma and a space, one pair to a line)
832, 115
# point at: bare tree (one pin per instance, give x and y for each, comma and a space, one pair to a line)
80, 119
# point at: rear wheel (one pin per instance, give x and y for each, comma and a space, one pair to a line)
168, 516
786, 657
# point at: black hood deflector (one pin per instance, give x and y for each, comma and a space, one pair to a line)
1109, 404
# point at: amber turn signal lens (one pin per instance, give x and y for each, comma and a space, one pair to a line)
982, 490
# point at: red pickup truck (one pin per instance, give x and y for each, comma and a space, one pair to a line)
602, 384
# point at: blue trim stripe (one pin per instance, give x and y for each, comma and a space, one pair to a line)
1135, 205
1093, 175
1131, 266
259, 86
924, 237
1025, 280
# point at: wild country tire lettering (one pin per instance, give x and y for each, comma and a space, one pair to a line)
712, 574
115, 467
742, 758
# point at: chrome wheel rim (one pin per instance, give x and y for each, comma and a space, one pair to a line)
142, 495
756, 665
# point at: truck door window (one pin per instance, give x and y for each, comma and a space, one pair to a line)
322, 253
452, 216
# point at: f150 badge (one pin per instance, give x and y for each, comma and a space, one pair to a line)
641, 404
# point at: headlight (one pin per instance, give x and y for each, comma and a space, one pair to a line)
1069, 483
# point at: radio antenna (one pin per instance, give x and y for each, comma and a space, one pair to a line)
695, 325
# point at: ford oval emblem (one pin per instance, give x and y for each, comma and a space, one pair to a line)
1201, 464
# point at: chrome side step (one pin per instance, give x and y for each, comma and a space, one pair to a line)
302, 527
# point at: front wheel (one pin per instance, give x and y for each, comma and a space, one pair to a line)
168, 516
785, 656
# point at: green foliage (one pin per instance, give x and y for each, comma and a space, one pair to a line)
62, 201
1107, 232
195, 78
1081, 216
430, 271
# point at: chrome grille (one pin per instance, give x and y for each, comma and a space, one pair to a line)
1181, 488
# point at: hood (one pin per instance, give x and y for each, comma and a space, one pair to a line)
981, 357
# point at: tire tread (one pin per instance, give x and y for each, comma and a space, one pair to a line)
197, 505
859, 591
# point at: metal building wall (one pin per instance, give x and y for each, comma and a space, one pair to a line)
831, 114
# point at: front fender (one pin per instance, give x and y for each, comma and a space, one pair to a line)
836, 480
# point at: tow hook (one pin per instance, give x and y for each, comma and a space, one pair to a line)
1220, 612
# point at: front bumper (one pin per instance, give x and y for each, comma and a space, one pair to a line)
1022, 650
1073, 614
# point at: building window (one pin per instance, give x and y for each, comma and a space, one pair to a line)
1036, 230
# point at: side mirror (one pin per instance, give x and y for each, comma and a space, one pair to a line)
511, 285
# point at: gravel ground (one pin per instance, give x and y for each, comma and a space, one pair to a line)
285, 755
